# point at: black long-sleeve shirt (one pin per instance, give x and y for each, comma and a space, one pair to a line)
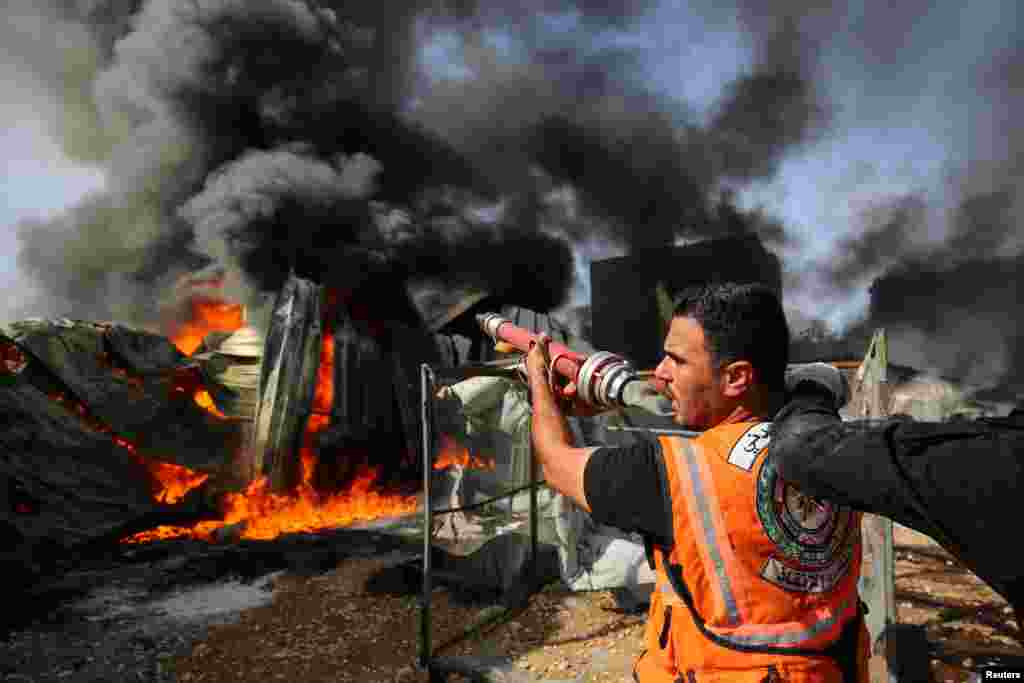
959, 482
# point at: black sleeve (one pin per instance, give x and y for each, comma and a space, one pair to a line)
851, 464
626, 487
956, 481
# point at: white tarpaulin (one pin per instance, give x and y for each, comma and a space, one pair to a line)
495, 413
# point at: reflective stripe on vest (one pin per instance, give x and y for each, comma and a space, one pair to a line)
729, 580
781, 635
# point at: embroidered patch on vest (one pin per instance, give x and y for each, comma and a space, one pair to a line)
817, 581
754, 440
814, 539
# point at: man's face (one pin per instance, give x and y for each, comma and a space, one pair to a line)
690, 376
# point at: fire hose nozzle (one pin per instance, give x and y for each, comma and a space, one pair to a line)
603, 379
490, 322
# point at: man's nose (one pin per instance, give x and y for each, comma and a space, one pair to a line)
661, 372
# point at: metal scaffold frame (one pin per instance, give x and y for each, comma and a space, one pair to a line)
440, 667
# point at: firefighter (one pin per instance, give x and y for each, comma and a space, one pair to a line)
957, 481
756, 582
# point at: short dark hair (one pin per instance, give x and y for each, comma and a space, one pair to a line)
741, 322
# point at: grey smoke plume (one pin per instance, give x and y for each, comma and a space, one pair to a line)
246, 137
890, 229
255, 202
50, 55
945, 273
950, 306
956, 318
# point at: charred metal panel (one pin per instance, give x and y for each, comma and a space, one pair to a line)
286, 379
77, 484
371, 416
67, 480
141, 407
363, 395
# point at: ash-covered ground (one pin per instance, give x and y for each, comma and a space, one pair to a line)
127, 614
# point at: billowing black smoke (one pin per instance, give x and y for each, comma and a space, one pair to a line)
960, 318
246, 138
889, 229
640, 169
946, 275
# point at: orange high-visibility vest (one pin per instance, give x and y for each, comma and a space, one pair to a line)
760, 582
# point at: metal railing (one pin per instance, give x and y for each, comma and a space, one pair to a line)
430, 379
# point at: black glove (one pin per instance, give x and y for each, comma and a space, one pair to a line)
818, 379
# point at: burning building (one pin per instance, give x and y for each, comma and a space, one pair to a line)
299, 168
112, 431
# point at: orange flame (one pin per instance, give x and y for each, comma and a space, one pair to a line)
262, 514
189, 381
12, 360
323, 397
453, 453
175, 480
205, 315
265, 515
205, 401
170, 482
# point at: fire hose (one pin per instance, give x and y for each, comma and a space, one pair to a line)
603, 379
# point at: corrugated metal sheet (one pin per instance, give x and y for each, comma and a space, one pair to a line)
375, 383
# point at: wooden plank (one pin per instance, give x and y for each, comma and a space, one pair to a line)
870, 400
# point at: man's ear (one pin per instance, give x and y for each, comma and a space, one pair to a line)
737, 378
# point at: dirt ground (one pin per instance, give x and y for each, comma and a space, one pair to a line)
312, 613
966, 622
332, 628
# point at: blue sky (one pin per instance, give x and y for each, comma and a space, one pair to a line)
37, 182
900, 117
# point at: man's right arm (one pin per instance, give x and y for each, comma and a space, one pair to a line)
626, 487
